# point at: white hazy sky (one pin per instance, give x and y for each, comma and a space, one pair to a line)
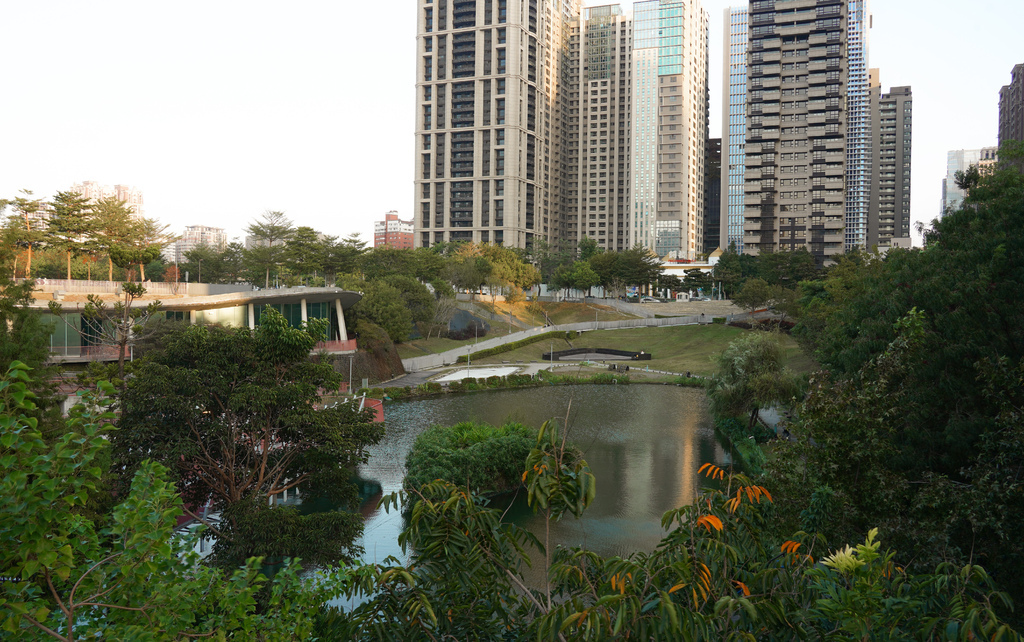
220, 110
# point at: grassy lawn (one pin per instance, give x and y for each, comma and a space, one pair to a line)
420, 347
674, 349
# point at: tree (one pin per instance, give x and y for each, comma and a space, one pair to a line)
119, 326
269, 233
343, 257
31, 231
68, 578
733, 268
25, 338
382, 305
583, 277
234, 415
587, 248
115, 227
786, 268
416, 297
697, 281
386, 260
750, 376
305, 252
71, 225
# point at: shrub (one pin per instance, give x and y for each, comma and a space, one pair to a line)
489, 458
719, 320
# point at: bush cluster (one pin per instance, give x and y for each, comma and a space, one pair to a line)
487, 458
747, 450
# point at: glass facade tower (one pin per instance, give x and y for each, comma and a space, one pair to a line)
734, 126
858, 126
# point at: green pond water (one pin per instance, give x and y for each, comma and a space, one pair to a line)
644, 444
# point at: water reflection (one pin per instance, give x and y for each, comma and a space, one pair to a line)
643, 443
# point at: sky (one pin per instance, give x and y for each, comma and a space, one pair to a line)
221, 110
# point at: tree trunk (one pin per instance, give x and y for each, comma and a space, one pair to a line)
266, 283
142, 272
753, 419
110, 269
28, 262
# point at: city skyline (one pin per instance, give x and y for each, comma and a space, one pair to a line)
264, 109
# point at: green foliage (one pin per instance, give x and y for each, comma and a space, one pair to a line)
745, 442
414, 295
269, 233
382, 304
719, 574
750, 377
65, 578
487, 459
208, 407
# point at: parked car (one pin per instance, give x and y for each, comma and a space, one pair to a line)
648, 299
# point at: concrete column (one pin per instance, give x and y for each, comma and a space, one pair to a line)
302, 305
342, 331
192, 317
252, 316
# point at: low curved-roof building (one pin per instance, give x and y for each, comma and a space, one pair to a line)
73, 339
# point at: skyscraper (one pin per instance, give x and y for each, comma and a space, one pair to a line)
94, 192
960, 160
603, 96
796, 147
670, 125
491, 110
858, 126
536, 122
734, 127
891, 129
1011, 107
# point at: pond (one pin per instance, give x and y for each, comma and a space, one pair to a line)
644, 444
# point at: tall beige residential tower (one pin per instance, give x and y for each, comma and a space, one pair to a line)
891, 136
490, 120
536, 122
602, 143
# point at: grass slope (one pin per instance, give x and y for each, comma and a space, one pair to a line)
675, 349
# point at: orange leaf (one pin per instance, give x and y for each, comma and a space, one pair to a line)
675, 588
701, 469
767, 494
743, 586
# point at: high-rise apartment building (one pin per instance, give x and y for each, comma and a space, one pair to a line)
538, 122
393, 232
601, 141
491, 110
670, 105
859, 153
891, 134
94, 192
713, 196
960, 160
734, 127
797, 119
1011, 107
195, 236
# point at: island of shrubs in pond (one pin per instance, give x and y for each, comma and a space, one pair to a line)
487, 458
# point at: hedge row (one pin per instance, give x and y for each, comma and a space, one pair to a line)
515, 345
